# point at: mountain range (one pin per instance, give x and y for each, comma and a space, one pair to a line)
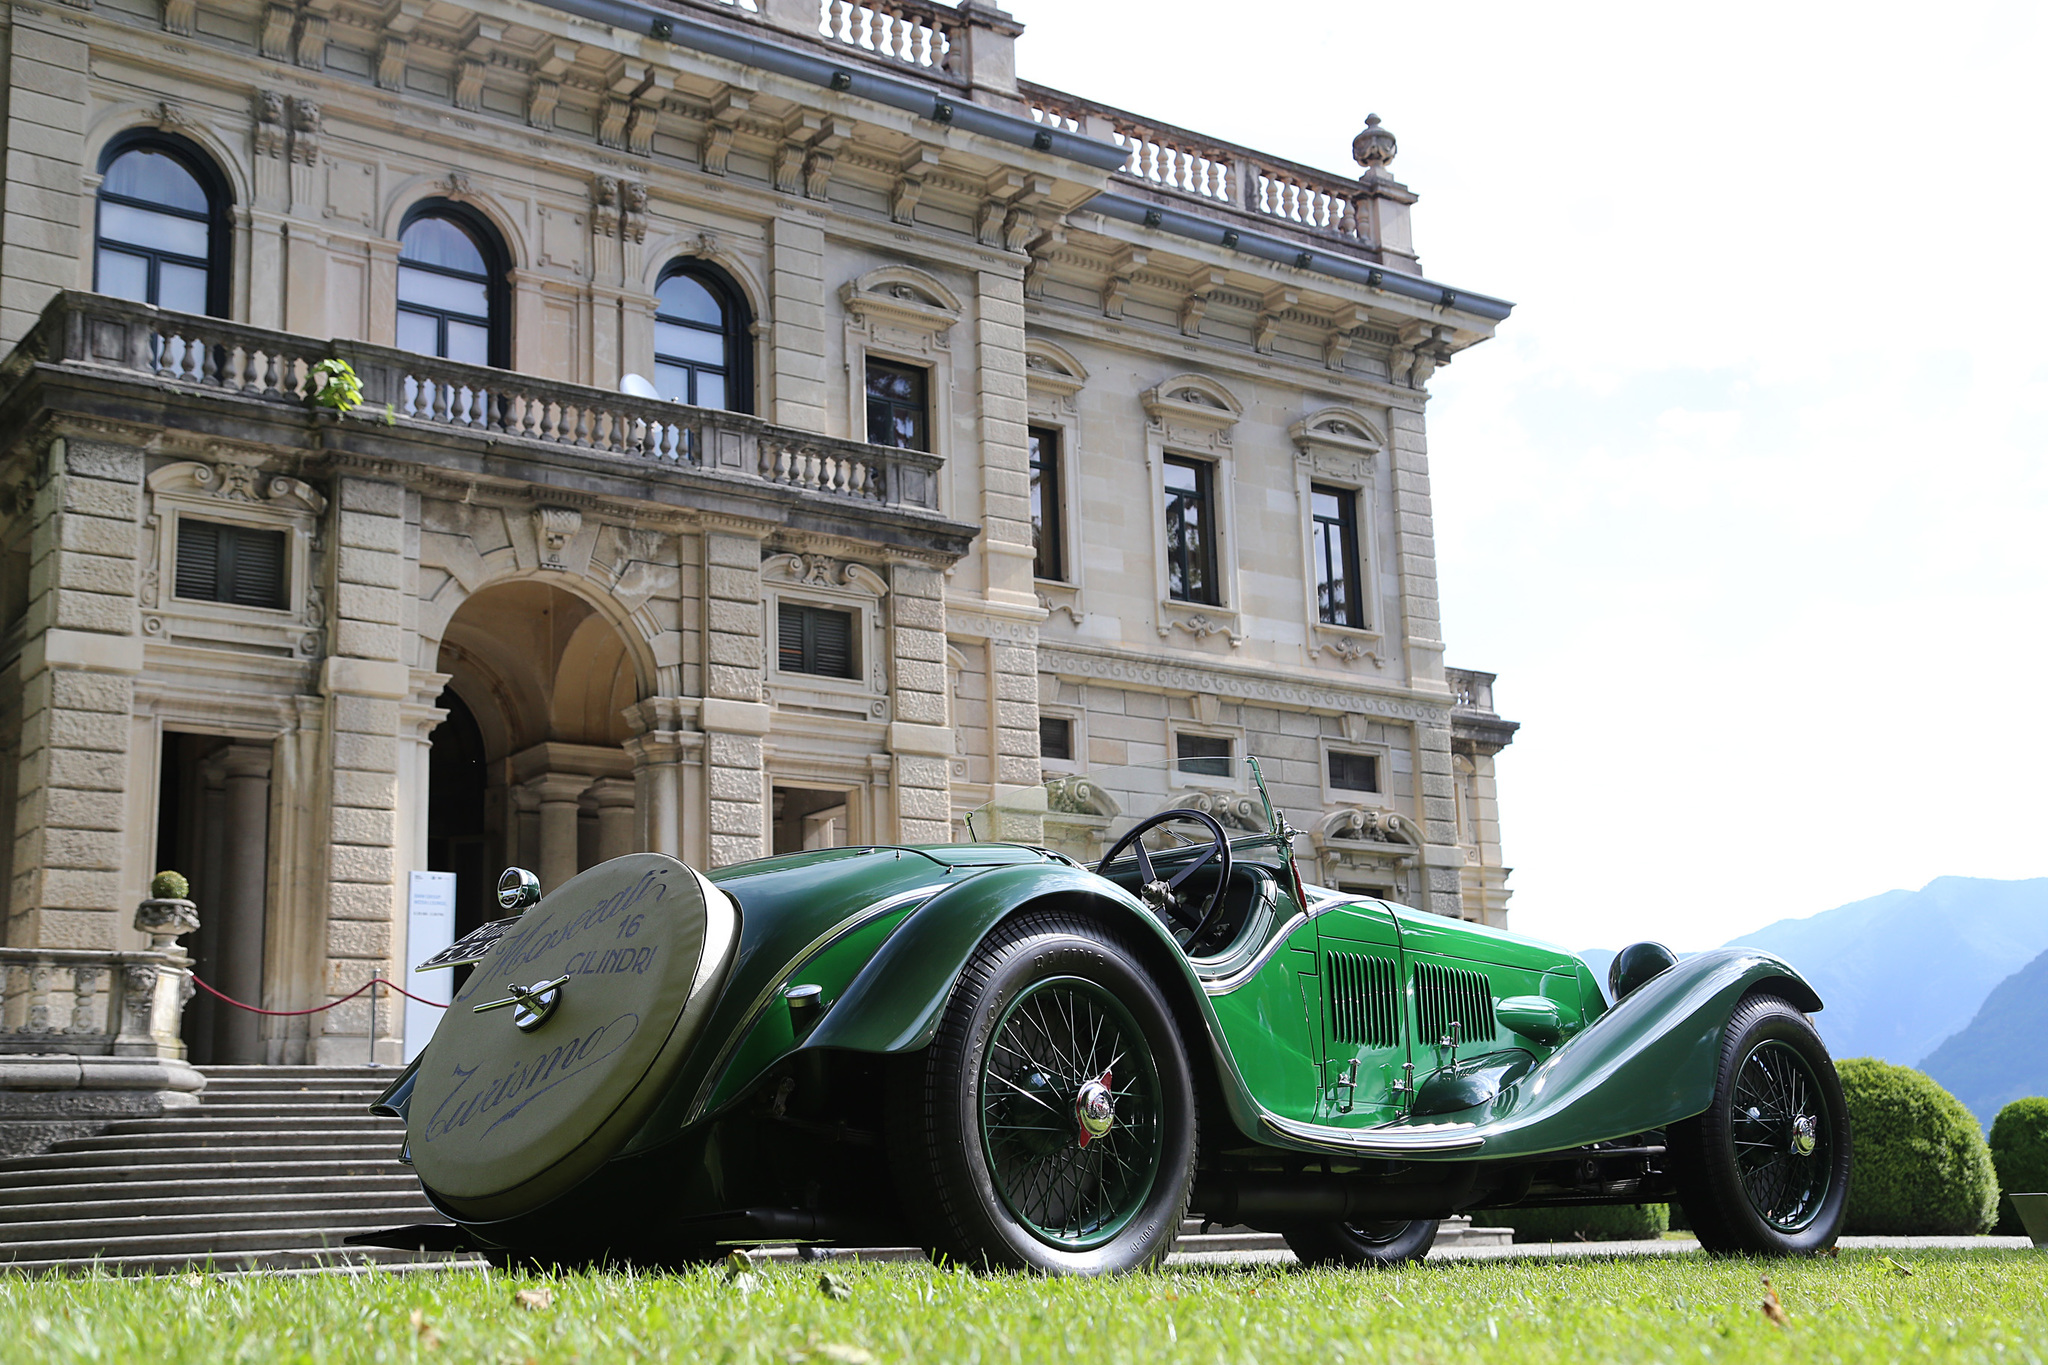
1998, 1057
1901, 972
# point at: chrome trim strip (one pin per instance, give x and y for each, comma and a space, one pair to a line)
773, 988
1223, 985
1443, 1137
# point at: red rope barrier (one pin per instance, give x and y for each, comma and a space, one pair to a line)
373, 981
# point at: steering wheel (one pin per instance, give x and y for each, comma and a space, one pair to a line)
1163, 896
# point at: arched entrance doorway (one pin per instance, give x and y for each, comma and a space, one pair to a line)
529, 767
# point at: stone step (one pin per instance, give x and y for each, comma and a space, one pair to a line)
186, 1244
226, 1134
290, 1260
274, 1163
261, 1116
290, 1101
210, 1197
128, 1226
217, 1190
1240, 1239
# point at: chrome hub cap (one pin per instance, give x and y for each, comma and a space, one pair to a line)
1095, 1109
1805, 1135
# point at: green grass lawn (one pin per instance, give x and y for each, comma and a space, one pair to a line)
1966, 1305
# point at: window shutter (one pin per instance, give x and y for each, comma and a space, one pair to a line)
832, 636
199, 560
790, 628
258, 569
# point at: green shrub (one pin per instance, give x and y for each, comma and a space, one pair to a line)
169, 886
2019, 1151
1596, 1223
1921, 1166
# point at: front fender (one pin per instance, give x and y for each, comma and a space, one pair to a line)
1650, 1061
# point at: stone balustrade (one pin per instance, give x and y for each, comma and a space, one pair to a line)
1273, 194
209, 355
916, 35
88, 1002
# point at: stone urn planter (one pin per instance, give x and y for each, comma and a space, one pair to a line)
2033, 1216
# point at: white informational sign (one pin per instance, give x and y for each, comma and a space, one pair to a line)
429, 927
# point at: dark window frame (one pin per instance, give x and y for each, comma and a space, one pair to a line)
1177, 505
1334, 756
887, 408
228, 547
1226, 754
213, 183
490, 244
1048, 503
1334, 549
808, 614
1065, 725
737, 332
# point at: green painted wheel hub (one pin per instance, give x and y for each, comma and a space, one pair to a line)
1070, 1113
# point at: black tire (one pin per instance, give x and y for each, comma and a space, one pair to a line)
990, 1165
1362, 1244
1747, 1186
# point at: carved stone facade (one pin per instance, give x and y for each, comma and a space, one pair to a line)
524, 616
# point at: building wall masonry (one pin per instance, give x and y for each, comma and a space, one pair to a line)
511, 635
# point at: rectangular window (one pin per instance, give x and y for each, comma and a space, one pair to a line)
898, 414
1333, 525
1056, 738
1202, 755
238, 564
1190, 531
1047, 505
1354, 772
815, 640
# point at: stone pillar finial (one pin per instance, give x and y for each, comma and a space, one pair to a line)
166, 920
1374, 148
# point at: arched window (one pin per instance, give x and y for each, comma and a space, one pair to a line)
163, 232
702, 343
451, 286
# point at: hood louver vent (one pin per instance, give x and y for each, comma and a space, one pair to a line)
1365, 999
1446, 993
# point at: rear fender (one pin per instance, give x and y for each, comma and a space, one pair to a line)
893, 1004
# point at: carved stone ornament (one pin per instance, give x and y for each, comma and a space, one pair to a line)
1350, 651
903, 296
1374, 148
1192, 402
1358, 824
1201, 627
166, 920
554, 528
1232, 810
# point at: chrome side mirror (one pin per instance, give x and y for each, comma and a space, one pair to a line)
518, 889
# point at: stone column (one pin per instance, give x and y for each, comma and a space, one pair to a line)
79, 656
733, 716
40, 220
364, 680
556, 795
1415, 554
920, 737
243, 877
796, 287
1005, 450
656, 750
616, 817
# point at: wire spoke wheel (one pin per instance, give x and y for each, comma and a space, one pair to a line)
1070, 1113
1781, 1136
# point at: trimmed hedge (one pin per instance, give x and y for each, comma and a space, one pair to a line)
1595, 1223
1921, 1166
2019, 1151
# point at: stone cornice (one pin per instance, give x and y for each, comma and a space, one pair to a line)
1243, 686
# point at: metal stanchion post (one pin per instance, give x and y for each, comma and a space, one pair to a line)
374, 983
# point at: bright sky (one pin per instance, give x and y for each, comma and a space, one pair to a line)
1746, 502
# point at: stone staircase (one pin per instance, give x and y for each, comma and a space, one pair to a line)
273, 1169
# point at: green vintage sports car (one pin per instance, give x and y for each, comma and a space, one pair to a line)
1115, 1006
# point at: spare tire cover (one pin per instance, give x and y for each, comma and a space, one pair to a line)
502, 1120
